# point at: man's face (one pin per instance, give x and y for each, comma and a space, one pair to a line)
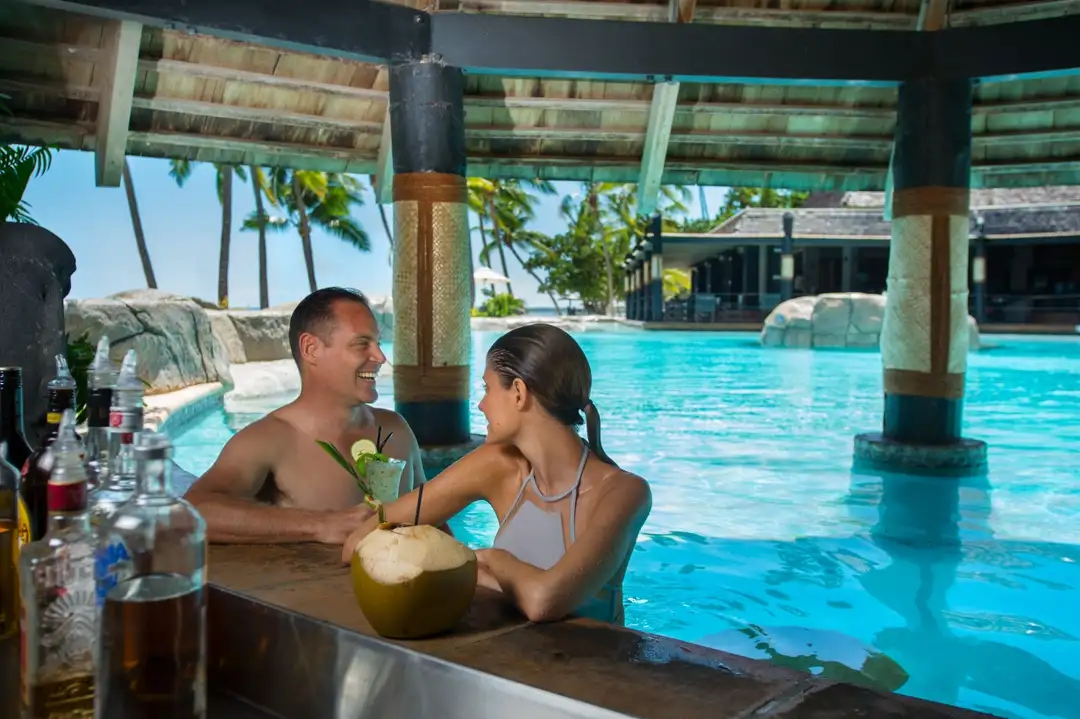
349, 361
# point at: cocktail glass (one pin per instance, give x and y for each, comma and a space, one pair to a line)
384, 478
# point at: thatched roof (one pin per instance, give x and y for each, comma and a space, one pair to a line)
1049, 211
206, 98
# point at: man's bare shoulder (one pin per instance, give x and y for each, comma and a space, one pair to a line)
388, 419
267, 432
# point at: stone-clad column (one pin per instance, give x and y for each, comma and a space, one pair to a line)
656, 237
432, 338
924, 334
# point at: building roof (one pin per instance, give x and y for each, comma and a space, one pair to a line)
212, 99
1005, 213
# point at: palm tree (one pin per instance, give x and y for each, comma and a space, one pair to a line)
180, 170
615, 218
260, 185
315, 199
136, 223
506, 206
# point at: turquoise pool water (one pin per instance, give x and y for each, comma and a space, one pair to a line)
759, 523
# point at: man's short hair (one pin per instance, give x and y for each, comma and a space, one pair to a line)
315, 314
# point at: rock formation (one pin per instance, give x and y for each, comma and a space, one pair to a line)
835, 320
35, 276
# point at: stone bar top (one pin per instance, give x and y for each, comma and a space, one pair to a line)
638, 674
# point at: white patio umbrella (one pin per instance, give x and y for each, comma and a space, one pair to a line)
488, 276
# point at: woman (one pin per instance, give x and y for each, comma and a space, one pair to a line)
568, 515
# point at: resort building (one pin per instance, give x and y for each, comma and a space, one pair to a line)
1024, 267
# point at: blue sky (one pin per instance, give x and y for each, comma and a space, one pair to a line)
183, 229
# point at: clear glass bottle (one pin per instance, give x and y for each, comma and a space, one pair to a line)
59, 628
35, 479
125, 423
151, 559
9, 546
101, 377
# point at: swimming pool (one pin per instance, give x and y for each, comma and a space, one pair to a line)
759, 523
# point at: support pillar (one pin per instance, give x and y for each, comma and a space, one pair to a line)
432, 337
787, 258
656, 306
924, 334
626, 292
978, 278
848, 260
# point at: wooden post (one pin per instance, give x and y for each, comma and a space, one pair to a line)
432, 337
978, 271
787, 258
657, 289
924, 334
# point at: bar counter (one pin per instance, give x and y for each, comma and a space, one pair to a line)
617, 669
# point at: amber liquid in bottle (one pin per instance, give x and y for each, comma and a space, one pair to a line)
152, 649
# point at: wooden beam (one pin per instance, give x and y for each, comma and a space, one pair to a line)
665, 100
121, 41
657, 137
384, 165
192, 69
724, 15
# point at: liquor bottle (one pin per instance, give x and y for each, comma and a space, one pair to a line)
18, 451
100, 380
9, 546
125, 423
150, 573
59, 628
35, 476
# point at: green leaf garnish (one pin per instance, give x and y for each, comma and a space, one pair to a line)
355, 473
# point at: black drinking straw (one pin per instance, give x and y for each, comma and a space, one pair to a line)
419, 496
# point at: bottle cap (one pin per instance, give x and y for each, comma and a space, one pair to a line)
101, 369
63, 379
153, 445
128, 379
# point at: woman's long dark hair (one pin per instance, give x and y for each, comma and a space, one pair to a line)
557, 373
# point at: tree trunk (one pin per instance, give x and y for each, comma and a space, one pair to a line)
305, 232
226, 235
260, 212
487, 264
136, 224
558, 312
500, 242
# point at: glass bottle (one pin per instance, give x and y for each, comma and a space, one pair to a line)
125, 423
59, 628
150, 570
18, 451
35, 480
101, 377
9, 546
11, 416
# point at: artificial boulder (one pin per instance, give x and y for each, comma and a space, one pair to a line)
833, 320
35, 276
171, 334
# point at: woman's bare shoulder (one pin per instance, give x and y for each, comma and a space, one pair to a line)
500, 458
629, 487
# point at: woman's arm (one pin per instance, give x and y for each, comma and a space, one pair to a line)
470, 478
549, 595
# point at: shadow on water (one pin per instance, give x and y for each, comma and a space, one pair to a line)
935, 603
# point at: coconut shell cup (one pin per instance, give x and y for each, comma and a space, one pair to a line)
428, 604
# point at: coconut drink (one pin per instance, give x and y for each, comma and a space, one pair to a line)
411, 581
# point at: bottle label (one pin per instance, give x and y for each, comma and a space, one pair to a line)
53, 417
127, 420
98, 406
66, 497
23, 528
112, 564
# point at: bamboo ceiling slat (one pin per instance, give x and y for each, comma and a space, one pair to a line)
223, 101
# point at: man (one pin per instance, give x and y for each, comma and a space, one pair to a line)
272, 483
